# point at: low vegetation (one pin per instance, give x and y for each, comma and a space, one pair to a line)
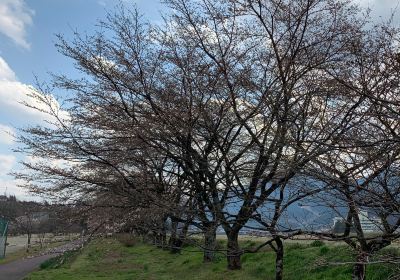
111, 259
34, 250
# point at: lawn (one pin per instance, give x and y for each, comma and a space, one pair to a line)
109, 259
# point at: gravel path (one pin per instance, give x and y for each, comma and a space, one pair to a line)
17, 270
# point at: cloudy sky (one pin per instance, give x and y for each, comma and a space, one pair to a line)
27, 36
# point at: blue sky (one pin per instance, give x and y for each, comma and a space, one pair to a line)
27, 37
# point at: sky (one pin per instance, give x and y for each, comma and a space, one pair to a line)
27, 38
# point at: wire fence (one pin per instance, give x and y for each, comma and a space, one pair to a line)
3, 237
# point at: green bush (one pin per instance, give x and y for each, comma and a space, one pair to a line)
317, 243
323, 250
58, 261
50, 263
296, 246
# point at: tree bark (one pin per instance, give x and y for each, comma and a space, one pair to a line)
172, 238
234, 252
29, 242
176, 240
183, 233
210, 238
359, 269
163, 237
279, 259
156, 238
177, 244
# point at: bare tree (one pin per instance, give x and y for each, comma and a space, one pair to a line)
209, 117
271, 60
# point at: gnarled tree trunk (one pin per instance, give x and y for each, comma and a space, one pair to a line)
359, 269
173, 238
178, 241
210, 243
234, 252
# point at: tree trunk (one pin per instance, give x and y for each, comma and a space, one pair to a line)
210, 238
234, 253
183, 233
279, 259
163, 234
359, 269
172, 238
163, 237
29, 242
178, 242
176, 246
155, 238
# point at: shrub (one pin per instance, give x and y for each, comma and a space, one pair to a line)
317, 243
323, 250
50, 263
58, 261
296, 246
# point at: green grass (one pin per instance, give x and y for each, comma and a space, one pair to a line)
109, 259
59, 261
34, 250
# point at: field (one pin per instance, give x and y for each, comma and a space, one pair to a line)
109, 259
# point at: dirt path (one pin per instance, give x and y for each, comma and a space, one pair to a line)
17, 270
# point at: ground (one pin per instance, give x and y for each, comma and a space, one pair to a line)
18, 269
17, 246
16, 243
20, 263
110, 259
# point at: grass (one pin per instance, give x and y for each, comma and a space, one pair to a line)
59, 261
110, 259
34, 250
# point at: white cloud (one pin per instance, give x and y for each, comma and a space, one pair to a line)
58, 163
14, 95
309, 209
6, 164
15, 16
382, 8
10, 187
6, 134
388, 4
6, 74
